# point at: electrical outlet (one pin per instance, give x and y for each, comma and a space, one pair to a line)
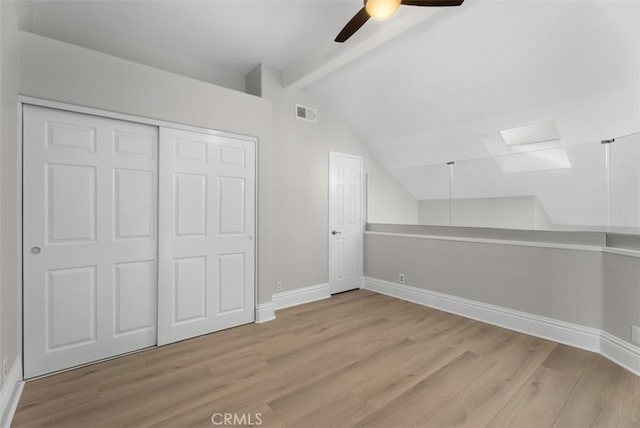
278, 286
401, 278
5, 368
635, 334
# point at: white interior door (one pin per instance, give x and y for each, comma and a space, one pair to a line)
90, 238
207, 227
345, 222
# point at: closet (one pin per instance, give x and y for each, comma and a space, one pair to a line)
134, 235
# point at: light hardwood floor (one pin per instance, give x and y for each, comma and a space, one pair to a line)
357, 359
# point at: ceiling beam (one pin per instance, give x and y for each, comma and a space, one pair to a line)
316, 67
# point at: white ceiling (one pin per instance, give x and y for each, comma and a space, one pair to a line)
234, 35
431, 94
439, 91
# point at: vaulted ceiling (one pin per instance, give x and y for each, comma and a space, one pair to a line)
438, 91
423, 87
234, 35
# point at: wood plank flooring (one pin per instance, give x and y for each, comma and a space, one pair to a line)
357, 359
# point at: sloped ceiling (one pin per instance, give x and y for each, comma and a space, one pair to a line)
434, 92
234, 35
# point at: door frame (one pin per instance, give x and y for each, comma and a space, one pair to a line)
56, 105
362, 208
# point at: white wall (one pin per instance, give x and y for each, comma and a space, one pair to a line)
13, 16
48, 21
518, 212
575, 196
387, 200
542, 219
253, 82
62, 72
300, 182
436, 212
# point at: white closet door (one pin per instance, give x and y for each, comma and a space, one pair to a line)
90, 238
207, 227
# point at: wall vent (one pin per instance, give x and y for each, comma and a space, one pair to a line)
306, 113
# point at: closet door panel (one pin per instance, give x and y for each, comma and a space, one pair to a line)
207, 192
90, 238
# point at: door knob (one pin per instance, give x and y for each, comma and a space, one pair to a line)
35, 250
335, 232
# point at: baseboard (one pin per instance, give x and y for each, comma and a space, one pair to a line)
265, 313
299, 296
591, 339
620, 352
10, 394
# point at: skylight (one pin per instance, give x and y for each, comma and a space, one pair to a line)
540, 132
540, 160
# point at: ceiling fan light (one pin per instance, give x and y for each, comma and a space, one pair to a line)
381, 9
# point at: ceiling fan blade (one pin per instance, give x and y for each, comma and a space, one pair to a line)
432, 3
352, 26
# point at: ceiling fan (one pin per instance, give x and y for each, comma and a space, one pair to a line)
381, 9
